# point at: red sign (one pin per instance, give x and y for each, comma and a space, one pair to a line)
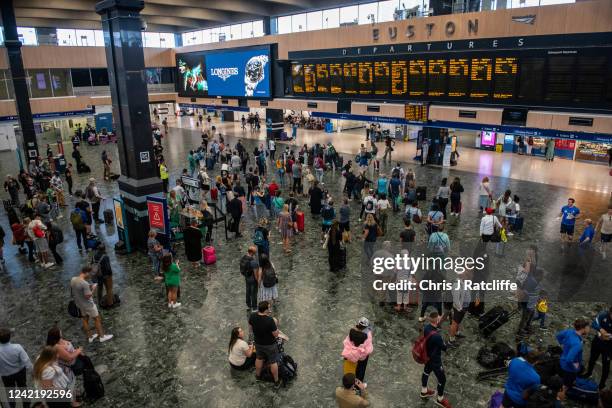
564, 144
156, 216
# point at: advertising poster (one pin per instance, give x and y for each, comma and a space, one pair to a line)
487, 139
191, 75
239, 73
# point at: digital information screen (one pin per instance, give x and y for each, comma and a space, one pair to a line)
549, 77
239, 72
416, 112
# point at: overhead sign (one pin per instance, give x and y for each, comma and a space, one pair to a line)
239, 73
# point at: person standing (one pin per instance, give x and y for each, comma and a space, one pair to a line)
265, 333
272, 149
55, 237
357, 347
12, 187
443, 195
104, 277
455, 196
267, 281
296, 172
488, 224
601, 346
163, 174
14, 362
234, 208
369, 235
92, 193
571, 358
550, 150
569, 213
249, 268
76, 155
106, 163
316, 196
604, 226
68, 175
435, 346
485, 196
82, 293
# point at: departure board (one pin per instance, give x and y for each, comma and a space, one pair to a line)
506, 74
366, 78
351, 80
297, 74
323, 79
458, 77
437, 77
481, 76
336, 79
310, 79
416, 112
399, 78
417, 77
381, 77
531, 79
540, 77
559, 86
590, 85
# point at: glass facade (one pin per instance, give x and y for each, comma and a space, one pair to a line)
224, 33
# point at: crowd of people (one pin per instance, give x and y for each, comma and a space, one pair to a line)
269, 189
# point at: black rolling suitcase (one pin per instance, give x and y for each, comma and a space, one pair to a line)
493, 320
109, 217
421, 193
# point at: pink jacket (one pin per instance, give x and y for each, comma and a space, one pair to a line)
357, 353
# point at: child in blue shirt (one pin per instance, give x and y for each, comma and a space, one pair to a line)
588, 234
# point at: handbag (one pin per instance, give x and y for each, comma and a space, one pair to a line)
496, 236
73, 309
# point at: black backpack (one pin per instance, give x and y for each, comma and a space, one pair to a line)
94, 388
541, 398
58, 235
245, 266
269, 277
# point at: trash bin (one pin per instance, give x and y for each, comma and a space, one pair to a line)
499, 148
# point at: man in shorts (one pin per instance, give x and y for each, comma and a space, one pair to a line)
569, 213
265, 333
604, 226
82, 293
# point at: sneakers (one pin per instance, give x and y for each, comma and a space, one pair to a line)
106, 337
177, 304
442, 403
428, 394
93, 337
509, 234
421, 319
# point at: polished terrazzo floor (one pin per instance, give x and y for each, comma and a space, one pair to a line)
178, 358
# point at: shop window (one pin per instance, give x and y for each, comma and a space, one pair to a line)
386, 10
314, 20
60, 82
166, 40
39, 83
151, 39
99, 38
331, 18
80, 77
224, 33
85, 38
99, 77
247, 29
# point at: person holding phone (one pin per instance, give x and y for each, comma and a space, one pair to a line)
353, 393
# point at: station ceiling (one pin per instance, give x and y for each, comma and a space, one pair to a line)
164, 15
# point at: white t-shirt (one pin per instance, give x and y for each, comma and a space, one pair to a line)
56, 374
482, 189
606, 226
238, 355
383, 204
411, 211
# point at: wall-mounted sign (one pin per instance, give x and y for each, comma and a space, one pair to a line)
528, 19
145, 157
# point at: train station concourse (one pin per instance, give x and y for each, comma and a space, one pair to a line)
282, 203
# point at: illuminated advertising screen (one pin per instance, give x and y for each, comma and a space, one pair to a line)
487, 138
191, 75
244, 73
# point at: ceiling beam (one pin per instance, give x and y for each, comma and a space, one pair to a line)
299, 4
173, 21
55, 23
241, 6
56, 14
183, 12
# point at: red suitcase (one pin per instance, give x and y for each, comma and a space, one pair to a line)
300, 220
214, 193
209, 255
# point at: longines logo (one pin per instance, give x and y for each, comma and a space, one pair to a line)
224, 73
529, 19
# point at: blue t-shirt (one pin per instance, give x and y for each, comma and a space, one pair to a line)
569, 214
521, 377
589, 232
382, 186
395, 185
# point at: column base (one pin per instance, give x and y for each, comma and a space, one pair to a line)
134, 195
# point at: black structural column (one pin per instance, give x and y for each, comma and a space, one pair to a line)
22, 99
125, 59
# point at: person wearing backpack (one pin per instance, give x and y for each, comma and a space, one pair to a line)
434, 346
76, 219
249, 268
439, 243
104, 275
357, 347
329, 214
56, 237
523, 380
266, 281
93, 195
